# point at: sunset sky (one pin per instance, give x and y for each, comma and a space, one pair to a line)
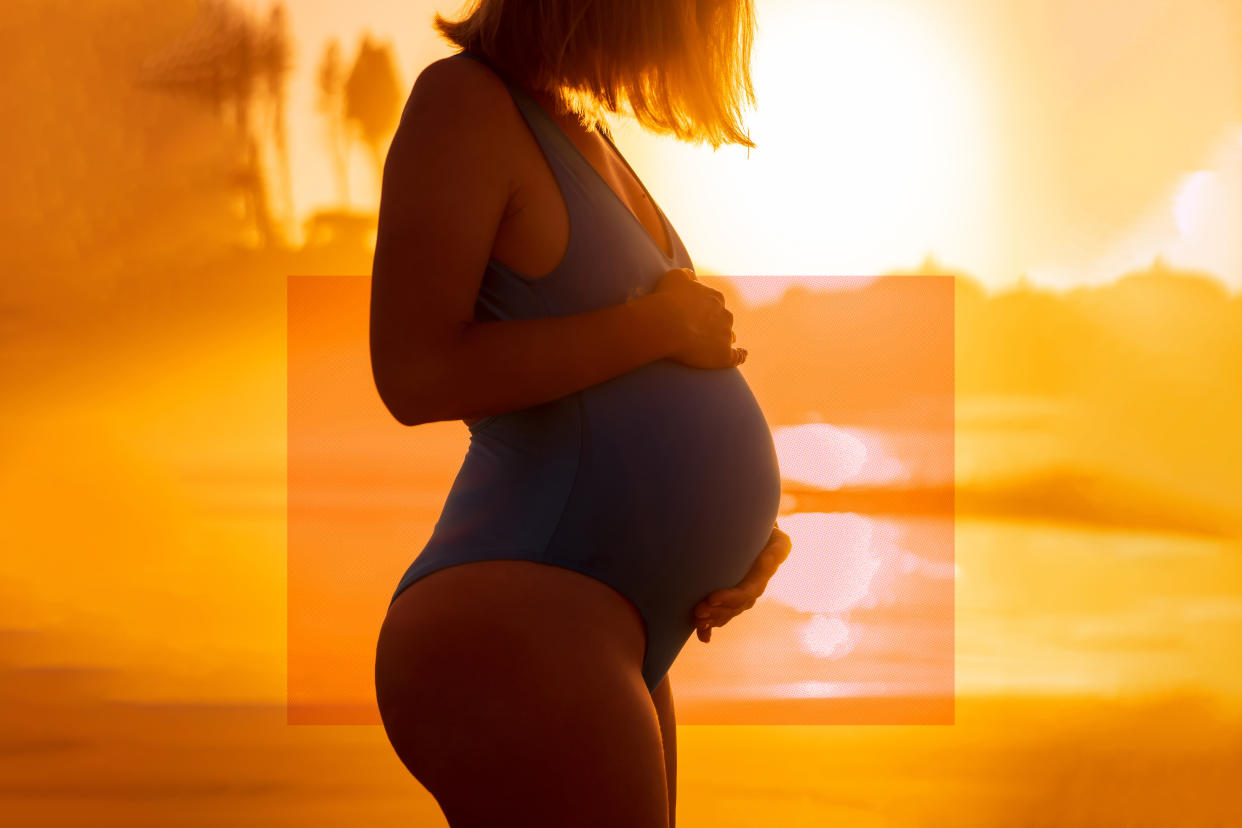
1085, 601
1063, 140
981, 137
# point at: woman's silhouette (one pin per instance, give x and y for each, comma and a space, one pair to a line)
621, 486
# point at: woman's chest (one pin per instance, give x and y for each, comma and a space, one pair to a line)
602, 202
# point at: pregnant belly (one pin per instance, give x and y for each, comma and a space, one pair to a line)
678, 477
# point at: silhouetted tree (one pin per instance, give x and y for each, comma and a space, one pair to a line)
330, 102
373, 99
275, 61
221, 59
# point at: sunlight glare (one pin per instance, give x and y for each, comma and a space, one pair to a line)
870, 149
826, 636
1193, 201
831, 565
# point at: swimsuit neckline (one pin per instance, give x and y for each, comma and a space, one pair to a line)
659, 213
664, 225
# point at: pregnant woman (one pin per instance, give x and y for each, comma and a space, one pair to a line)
621, 486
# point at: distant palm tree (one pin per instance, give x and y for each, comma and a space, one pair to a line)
275, 62
330, 81
221, 59
373, 100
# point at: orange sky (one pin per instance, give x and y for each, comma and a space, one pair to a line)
159, 563
1054, 139
143, 359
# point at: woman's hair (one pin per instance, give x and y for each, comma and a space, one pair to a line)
682, 66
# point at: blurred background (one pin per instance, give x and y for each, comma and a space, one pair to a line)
1032, 475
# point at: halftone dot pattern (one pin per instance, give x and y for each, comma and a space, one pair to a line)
856, 626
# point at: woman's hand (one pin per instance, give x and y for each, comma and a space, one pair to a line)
720, 606
704, 326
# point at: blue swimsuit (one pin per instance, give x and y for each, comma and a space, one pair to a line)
661, 482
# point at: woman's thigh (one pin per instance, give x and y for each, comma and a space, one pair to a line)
513, 692
662, 697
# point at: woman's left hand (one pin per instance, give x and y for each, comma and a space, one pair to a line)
722, 605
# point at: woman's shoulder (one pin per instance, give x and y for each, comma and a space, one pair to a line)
457, 92
459, 116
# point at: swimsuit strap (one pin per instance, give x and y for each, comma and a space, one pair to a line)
482, 58
520, 91
546, 130
591, 190
524, 100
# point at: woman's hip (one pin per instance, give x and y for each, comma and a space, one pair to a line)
502, 675
517, 620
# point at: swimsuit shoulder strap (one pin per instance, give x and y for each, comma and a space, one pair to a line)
556, 145
525, 103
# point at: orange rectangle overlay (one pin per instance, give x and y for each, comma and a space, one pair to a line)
856, 380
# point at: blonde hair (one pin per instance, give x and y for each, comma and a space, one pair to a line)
681, 66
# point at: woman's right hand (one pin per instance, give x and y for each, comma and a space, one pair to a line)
704, 327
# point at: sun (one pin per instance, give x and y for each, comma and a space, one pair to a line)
871, 148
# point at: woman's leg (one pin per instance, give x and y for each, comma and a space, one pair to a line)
513, 692
662, 697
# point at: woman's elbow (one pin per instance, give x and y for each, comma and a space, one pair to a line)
400, 409
407, 417
416, 385
402, 399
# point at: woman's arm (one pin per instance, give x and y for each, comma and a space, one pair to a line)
506, 366
446, 186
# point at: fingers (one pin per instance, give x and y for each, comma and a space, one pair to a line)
721, 607
690, 274
765, 566
779, 546
704, 630
708, 326
703, 626
736, 355
723, 604
769, 559
718, 608
721, 601
726, 337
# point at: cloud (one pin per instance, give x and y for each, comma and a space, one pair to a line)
1194, 227
1207, 212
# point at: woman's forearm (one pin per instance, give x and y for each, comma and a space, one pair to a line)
500, 366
